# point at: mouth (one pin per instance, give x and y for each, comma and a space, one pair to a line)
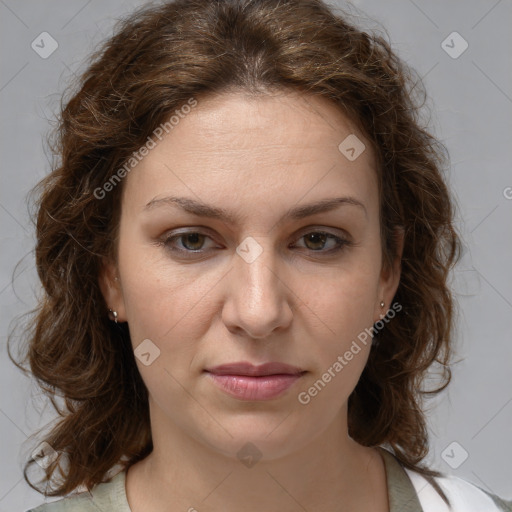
246, 381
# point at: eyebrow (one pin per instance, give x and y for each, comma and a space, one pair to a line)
202, 209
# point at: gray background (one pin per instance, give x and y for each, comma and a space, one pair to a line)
470, 100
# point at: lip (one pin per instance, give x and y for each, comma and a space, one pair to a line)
250, 370
246, 381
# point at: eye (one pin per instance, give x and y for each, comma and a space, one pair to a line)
191, 242
316, 241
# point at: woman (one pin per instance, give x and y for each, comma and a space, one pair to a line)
244, 252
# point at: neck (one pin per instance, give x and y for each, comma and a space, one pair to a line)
330, 472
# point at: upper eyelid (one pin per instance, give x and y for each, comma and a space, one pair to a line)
202, 230
345, 238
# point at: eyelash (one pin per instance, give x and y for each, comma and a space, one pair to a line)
167, 241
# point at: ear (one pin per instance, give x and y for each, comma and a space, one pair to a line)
390, 277
110, 286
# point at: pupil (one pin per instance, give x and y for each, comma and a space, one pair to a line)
194, 238
317, 238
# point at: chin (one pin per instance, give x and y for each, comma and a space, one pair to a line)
254, 436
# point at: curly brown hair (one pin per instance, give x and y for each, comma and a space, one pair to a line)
159, 58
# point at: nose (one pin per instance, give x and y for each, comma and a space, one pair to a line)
258, 298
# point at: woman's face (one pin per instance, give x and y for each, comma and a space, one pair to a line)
240, 267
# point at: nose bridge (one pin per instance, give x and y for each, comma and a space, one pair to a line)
257, 297
259, 268
256, 264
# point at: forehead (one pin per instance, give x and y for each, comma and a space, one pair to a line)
256, 147
281, 123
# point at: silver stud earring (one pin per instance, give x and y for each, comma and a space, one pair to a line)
114, 314
382, 303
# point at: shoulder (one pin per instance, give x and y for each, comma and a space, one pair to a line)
464, 496
77, 503
109, 496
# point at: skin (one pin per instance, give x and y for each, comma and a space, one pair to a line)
295, 303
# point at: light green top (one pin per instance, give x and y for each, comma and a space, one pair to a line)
111, 496
104, 497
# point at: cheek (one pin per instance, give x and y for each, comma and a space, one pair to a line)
158, 307
164, 302
343, 302
340, 310
341, 318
